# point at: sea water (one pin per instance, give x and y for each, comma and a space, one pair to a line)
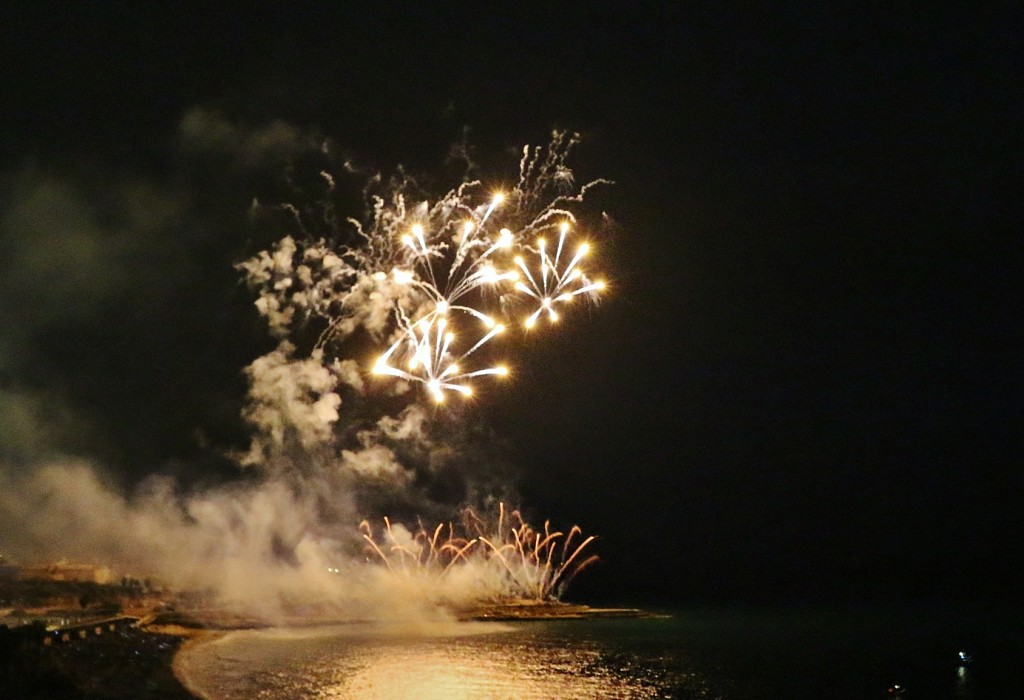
734, 654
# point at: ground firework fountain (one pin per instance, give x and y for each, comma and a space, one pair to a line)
510, 559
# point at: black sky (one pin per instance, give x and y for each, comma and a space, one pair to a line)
807, 380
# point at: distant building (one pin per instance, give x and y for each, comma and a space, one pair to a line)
64, 571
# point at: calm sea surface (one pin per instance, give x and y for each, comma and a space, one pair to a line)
734, 654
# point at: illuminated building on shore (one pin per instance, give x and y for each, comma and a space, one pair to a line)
66, 571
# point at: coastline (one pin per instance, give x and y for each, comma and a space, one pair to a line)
543, 610
192, 637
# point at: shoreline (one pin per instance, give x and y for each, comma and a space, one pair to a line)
192, 639
545, 610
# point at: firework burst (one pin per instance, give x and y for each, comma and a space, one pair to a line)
428, 345
550, 284
435, 281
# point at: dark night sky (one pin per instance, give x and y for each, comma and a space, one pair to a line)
807, 381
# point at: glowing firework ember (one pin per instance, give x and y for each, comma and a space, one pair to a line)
548, 285
435, 280
509, 559
428, 346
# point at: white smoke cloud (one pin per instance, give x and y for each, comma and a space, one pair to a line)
407, 426
67, 248
290, 399
206, 131
253, 544
375, 461
265, 549
297, 281
70, 250
34, 422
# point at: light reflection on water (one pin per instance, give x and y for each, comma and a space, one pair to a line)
525, 660
741, 654
460, 671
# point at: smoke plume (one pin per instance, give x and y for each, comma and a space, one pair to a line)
90, 267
